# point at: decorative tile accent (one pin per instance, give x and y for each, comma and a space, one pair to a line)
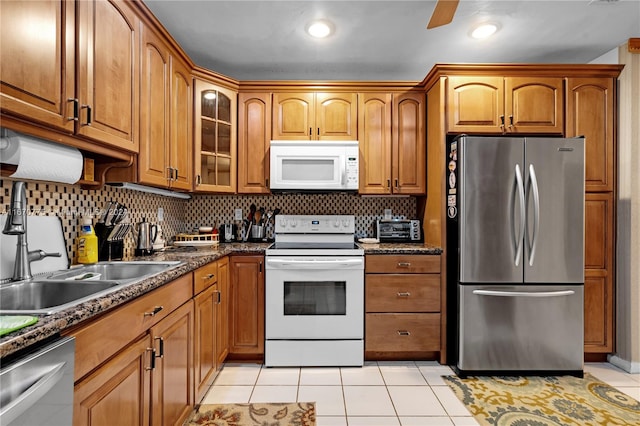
70, 202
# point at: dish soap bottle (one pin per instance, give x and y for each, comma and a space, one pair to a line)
87, 243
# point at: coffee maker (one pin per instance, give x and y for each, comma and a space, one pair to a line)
228, 233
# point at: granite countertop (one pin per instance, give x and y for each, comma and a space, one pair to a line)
51, 325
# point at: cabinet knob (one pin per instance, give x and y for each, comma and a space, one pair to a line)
75, 109
404, 294
160, 353
404, 333
404, 264
152, 364
88, 108
208, 276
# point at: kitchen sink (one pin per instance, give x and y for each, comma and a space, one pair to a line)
114, 271
65, 289
46, 296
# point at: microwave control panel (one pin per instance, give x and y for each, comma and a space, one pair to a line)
352, 171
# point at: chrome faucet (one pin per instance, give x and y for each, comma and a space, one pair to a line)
17, 225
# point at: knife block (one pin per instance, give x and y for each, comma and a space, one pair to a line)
108, 250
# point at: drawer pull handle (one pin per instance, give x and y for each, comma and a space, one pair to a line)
404, 264
403, 333
404, 294
154, 312
208, 276
153, 359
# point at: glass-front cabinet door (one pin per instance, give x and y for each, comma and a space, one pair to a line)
215, 138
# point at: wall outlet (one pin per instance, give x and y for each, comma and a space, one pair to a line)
160, 214
388, 214
238, 214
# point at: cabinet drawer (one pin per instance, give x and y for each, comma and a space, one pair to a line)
402, 264
402, 332
402, 293
204, 277
104, 337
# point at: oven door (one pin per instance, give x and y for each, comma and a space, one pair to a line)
314, 298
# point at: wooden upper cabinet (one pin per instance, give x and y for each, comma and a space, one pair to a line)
409, 145
154, 110
254, 137
315, 116
505, 105
215, 138
166, 108
107, 76
374, 128
336, 116
475, 104
590, 113
534, 105
37, 79
180, 124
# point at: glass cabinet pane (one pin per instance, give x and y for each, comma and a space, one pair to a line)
209, 103
224, 138
224, 108
208, 169
208, 135
224, 171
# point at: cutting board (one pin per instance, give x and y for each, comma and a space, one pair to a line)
43, 233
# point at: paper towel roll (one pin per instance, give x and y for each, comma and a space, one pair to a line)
40, 160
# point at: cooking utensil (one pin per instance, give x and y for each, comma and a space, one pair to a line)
108, 213
252, 212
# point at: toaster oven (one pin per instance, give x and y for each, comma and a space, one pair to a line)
398, 230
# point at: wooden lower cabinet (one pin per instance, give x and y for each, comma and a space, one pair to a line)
172, 378
148, 382
402, 305
117, 393
206, 309
247, 312
222, 311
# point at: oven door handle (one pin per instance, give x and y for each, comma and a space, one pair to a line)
306, 262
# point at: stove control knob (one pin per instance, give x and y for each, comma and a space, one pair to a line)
292, 223
345, 223
283, 222
336, 223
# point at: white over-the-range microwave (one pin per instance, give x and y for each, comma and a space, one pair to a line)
314, 166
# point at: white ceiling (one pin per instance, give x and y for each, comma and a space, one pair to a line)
388, 40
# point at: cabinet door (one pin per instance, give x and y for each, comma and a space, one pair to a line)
293, 116
215, 138
475, 104
38, 78
172, 380
254, 137
180, 139
154, 110
205, 340
107, 74
598, 286
374, 128
222, 312
123, 382
409, 145
590, 113
247, 311
336, 116
534, 105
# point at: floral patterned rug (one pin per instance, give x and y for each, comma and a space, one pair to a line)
545, 401
271, 414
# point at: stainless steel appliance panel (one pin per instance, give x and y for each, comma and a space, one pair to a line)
521, 328
38, 389
554, 184
491, 216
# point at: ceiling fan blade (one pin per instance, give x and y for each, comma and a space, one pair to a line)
443, 13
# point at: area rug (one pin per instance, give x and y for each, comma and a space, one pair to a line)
545, 401
271, 414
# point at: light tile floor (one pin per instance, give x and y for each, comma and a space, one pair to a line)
378, 394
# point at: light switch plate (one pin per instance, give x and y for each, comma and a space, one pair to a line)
238, 214
160, 214
388, 214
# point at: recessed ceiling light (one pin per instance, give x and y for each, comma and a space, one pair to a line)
484, 31
320, 29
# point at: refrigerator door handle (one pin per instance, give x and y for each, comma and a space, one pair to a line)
518, 241
524, 293
536, 213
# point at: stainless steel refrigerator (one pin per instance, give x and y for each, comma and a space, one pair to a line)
515, 244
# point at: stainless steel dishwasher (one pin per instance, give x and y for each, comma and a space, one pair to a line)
38, 389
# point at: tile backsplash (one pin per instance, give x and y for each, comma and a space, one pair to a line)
70, 202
